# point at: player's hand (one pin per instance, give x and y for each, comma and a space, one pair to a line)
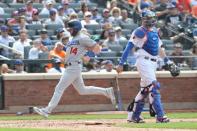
119, 69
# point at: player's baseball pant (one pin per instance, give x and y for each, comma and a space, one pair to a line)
147, 70
72, 75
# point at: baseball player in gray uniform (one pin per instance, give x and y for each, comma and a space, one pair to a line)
75, 50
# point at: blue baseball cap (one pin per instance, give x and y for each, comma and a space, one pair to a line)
18, 62
60, 7
60, 30
52, 12
4, 28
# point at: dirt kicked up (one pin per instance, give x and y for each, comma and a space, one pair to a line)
82, 125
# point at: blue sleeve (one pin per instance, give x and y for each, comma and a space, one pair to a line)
125, 54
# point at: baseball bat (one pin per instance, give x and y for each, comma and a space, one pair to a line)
120, 105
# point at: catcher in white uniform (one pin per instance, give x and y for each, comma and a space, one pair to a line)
75, 50
146, 38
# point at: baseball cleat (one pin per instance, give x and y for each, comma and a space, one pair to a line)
41, 112
136, 120
110, 92
162, 120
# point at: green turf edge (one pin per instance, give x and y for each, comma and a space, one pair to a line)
94, 116
174, 125
31, 129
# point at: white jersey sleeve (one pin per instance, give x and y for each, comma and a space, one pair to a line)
138, 42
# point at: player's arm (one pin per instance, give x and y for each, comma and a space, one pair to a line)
137, 38
95, 48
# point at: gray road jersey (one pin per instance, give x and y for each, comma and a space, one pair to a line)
76, 48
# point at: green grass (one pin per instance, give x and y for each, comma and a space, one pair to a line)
25, 129
93, 116
174, 125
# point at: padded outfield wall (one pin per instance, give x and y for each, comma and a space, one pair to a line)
21, 91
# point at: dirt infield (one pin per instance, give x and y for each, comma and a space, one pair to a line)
82, 125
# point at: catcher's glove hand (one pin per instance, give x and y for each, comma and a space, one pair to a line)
174, 69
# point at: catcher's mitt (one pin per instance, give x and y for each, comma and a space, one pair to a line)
174, 69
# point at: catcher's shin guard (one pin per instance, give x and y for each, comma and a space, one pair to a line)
130, 106
151, 110
137, 109
156, 104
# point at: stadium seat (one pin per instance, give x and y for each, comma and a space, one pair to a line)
35, 37
93, 27
9, 10
53, 26
123, 43
50, 47
168, 44
116, 48
98, 31
43, 55
53, 37
108, 54
34, 26
126, 32
43, 16
74, 5
5, 16
3, 5
16, 5
31, 33
37, 5
131, 27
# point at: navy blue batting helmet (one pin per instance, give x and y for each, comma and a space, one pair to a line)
148, 18
75, 24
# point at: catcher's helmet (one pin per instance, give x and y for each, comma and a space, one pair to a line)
148, 18
75, 25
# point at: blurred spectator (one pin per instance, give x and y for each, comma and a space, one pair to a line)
56, 67
84, 9
22, 42
30, 10
115, 16
5, 69
61, 14
44, 38
174, 17
194, 8
184, 5
47, 8
73, 16
14, 20
60, 33
37, 48
5, 39
193, 61
125, 19
57, 52
67, 10
35, 18
161, 9
105, 19
119, 36
111, 40
65, 39
87, 19
19, 66
22, 11
104, 33
1, 11
112, 4
54, 19
178, 51
95, 15
18, 1
108, 66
